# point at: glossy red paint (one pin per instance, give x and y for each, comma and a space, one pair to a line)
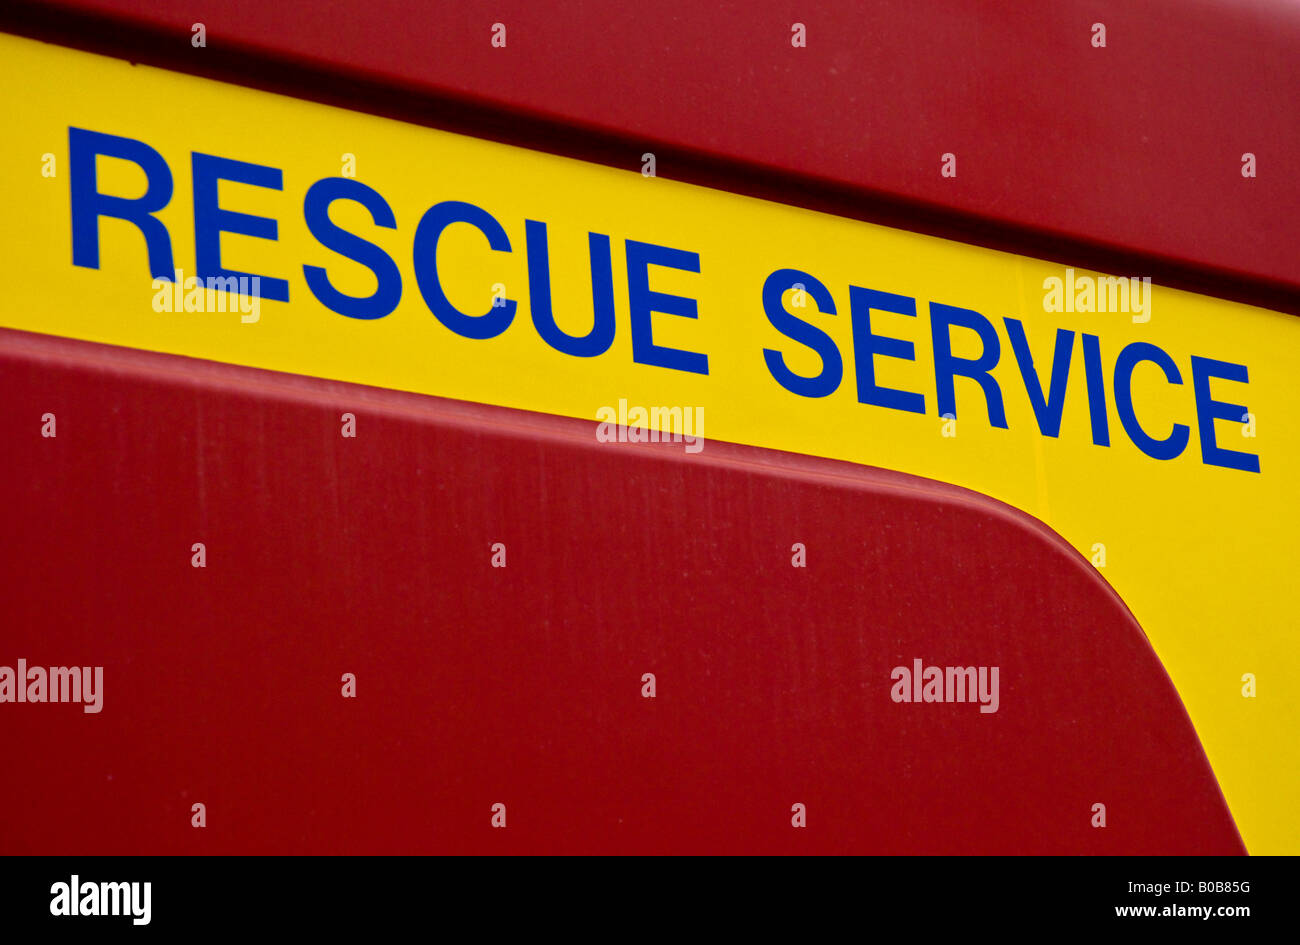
522, 685
1126, 157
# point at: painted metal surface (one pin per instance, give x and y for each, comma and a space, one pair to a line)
522, 685
901, 351
1136, 147
1061, 149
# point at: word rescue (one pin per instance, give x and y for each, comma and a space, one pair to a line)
1043, 376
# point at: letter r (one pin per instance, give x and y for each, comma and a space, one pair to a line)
88, 204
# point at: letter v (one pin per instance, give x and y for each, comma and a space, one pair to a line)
1046, 411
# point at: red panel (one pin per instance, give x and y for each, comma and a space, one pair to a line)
522, 685
1136, 147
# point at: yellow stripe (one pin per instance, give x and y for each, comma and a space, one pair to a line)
1202, 554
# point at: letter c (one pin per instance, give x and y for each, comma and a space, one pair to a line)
436, 219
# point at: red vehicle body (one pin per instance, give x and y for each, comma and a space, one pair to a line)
475, 689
